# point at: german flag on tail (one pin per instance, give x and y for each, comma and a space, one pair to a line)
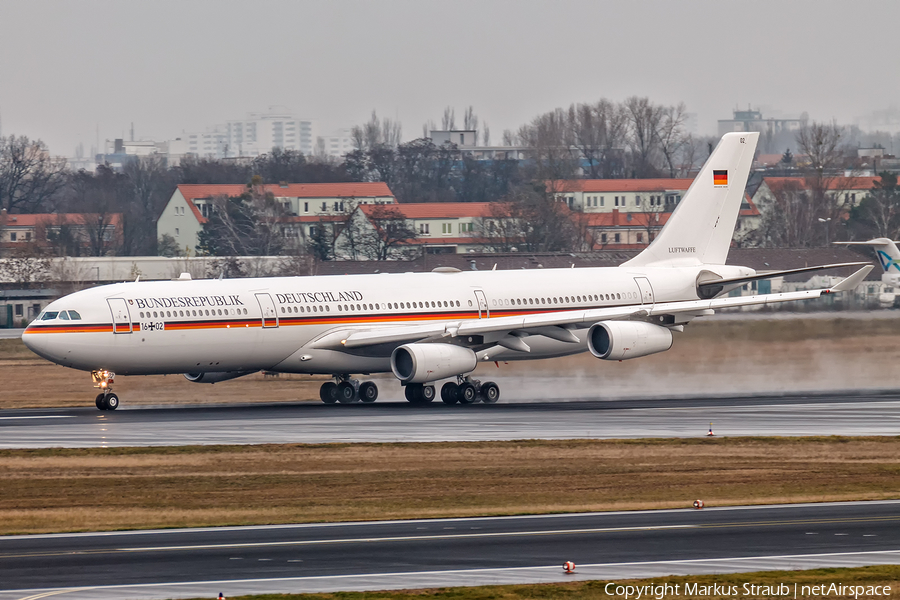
720, 177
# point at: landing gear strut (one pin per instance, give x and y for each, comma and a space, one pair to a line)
347, 391
106, 399
468, 391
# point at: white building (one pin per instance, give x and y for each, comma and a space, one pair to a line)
337, 144
260, 132
305, 204
622, 195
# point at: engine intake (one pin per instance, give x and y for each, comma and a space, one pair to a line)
620, 340
422, 363
215, 377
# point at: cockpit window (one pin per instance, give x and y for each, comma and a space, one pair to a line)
74, 315
49, 316
64, 315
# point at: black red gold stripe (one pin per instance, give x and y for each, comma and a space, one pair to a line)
297, 320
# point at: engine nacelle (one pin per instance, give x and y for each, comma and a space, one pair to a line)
421, 363
620, 340
215, 377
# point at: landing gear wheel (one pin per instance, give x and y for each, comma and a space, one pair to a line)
427, 394
100, 402
328, 392
411, 392
346, 393
111, 401
490, 392
368, 392
467, 394
449, 393
417, 393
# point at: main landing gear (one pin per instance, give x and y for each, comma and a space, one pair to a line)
468, 391
347, 391
106, 399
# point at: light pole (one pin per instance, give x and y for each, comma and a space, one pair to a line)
825, 221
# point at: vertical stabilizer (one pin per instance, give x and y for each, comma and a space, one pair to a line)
701, 228
886, 251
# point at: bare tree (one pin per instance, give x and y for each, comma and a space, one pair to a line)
824, 177
671, 134
880, 210
28, 176
550, 143
598, 133
386, 132
448, 121
643, 118
503, 229
390, 235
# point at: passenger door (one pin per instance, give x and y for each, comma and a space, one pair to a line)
267, 307
645, 290
483, 310
120, 315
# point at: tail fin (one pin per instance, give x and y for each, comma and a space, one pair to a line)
887, 252
701, 228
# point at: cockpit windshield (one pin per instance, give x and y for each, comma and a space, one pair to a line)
65, 315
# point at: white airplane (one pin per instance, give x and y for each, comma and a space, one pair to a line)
422, 327
889, 257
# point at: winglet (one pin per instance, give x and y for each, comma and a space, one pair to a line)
851, 282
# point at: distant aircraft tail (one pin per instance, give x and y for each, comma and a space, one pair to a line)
701, 228
886, 251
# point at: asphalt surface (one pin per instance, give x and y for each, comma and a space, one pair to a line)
382, 555
834, 414
10, 334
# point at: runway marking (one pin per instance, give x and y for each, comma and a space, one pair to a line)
38, 417
453, 536
616, 513
54, 591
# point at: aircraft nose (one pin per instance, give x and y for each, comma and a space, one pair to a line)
39, 343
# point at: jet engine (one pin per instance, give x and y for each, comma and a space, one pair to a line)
619, 340
421, 363
215, 377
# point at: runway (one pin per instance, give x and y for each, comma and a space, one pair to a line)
835, 414
431, 553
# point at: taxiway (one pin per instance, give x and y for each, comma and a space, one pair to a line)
446, 552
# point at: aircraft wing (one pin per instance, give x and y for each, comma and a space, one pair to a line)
558, 325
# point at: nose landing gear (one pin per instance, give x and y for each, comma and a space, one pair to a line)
106, 399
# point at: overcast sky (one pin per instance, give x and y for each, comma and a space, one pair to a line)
68, 67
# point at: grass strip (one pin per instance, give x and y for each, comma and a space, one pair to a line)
884, 575
54, 490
